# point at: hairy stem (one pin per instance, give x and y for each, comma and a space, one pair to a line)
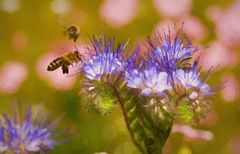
127, 121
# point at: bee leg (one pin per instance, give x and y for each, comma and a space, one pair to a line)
75, 38
65, 69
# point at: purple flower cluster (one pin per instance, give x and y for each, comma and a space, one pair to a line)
169, 64
25, 135
166, 75
106, 60
166, 68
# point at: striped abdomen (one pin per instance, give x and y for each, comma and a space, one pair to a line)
56, 63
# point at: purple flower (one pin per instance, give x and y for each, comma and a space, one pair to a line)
160, 71
190, 79
106, 60
148, 78
167, 51
25, 135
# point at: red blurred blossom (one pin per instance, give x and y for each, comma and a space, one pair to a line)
193, 27
227, 23
118, 13
19, 41
218, 55
192, 133
173, 8
12, 74
230, 90
56, 78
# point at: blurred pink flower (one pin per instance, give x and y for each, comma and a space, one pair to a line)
61, 6
192, 133
235, 144
118, 13
230, 90
56, 78
210, 119
10, 6
165, 26
75, 15
173, 8
193, 27
218, 55
19, 41
12, 74
227, 23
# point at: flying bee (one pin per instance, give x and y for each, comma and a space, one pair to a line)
64, 61
184, 63
73, 32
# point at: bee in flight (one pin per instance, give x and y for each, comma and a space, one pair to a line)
73, 32
64, 61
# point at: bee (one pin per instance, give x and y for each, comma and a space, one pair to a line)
184, 63
72, 32
64, 61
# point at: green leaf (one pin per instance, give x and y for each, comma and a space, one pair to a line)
185, 112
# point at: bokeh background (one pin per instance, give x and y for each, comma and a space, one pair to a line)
31, 35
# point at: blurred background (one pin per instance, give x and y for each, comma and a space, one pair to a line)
31, 35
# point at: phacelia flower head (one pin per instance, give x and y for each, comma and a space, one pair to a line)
170, 49
25, 135
106, 60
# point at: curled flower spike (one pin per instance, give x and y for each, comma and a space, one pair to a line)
26, 135
106, 60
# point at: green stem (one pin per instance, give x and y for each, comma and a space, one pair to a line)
160, 128
127, 121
